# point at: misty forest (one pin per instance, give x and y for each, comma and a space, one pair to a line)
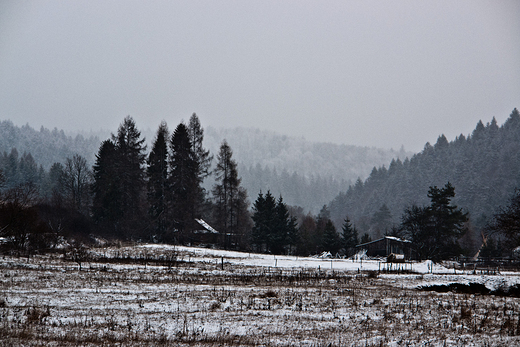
287, 197
187, 237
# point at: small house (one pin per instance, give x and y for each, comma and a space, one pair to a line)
206, 234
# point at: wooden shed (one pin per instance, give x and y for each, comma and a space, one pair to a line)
387, 245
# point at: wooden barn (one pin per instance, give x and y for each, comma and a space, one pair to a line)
387, 245
206, 234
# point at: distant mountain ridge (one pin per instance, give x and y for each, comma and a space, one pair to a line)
305, 173
484, 168
253, 147
46, 146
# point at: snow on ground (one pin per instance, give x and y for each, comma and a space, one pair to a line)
281, 261
219, 298
429, 272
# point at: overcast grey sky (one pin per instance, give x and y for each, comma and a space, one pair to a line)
370, 73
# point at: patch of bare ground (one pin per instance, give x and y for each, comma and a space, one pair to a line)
46, 301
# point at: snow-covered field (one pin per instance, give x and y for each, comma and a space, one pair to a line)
212, 298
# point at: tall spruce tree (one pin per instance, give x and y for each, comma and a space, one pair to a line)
349, 237
279, 237
157, 173
183, 184
130, 166
274, 229
119, 182
265, 221
259, 231
106, 189
202, 155
287, 230
321, 221
331, 239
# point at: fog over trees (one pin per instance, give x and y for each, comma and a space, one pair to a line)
169, 188
306, 173
483, 167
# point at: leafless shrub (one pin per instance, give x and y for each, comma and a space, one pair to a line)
372, 274
36, 314
269, 294
215, 305
77, 252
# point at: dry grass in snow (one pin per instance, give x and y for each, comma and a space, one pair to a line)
212, 298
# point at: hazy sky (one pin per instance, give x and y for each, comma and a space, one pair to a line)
371, 73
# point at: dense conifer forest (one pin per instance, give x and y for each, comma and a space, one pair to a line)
169, 188
47, 146
307, 174
484, 168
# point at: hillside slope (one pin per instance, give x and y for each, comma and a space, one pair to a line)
484, 168
305, 173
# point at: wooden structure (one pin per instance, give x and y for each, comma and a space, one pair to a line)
206, 234
386, 246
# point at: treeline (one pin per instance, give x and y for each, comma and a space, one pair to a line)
127, 194
161, 196
307, 174
155, 196
46, 146
310, 193
484, 167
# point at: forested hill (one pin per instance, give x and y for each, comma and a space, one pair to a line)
307, 174
46, 146
484, 168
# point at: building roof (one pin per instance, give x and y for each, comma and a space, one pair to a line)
207, 228
393, 238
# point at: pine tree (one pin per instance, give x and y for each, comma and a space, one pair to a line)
507, 221
349, 237
107, 207
183, 183
230, 209
266, 233
203, 157
119, 182
331, 239
279, 230
288, 226
321, 222
157, 173
434, 230
259, 232
130, 167
449, 222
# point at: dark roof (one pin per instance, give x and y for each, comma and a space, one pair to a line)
393, 238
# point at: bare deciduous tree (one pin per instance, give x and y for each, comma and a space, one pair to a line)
75, 180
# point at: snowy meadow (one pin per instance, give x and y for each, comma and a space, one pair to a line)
152, 295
